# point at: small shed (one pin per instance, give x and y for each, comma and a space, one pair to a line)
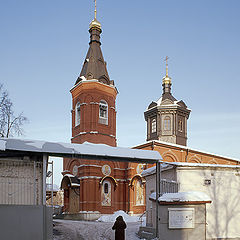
182, 215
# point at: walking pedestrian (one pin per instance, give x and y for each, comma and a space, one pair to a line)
119, 227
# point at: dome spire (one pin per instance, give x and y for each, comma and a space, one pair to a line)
95, 10
167, 81
95, 23
94, 66
166, 65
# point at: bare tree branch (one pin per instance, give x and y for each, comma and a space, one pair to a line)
10, 124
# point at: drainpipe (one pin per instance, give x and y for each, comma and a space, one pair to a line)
158, 191
44, 169
45, 160
128, 186
186, 155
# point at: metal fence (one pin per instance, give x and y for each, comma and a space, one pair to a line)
169, 186
20, 182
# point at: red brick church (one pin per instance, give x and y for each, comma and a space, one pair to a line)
89, 185
95, 187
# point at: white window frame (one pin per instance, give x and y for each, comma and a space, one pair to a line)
154, 125
103, 112
77, 113
180, 125
167, 123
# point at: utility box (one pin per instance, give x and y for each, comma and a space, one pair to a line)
181, 216
182, 221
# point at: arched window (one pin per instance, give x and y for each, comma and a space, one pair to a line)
106, 193
154, 125
77, 114
167, 123
103, 112
139, 194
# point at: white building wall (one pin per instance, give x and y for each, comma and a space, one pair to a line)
150, 188
223, 214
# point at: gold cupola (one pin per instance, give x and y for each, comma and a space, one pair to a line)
95, 23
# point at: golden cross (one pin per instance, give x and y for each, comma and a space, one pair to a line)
166, 59
95, 11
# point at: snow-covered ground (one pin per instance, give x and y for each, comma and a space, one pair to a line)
96, 230
86, 230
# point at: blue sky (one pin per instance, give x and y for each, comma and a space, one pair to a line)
44, 43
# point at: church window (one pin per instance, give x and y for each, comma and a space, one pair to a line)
167, 123
106, 193
154, 125
180, 126
103, 112
139, 195
106, 188
77, 114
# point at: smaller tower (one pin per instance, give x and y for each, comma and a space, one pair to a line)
167, 117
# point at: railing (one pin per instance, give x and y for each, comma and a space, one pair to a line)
20, 182
169, 186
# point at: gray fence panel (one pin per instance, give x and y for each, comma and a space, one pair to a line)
23, 222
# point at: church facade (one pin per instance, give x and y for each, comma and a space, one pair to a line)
91, 187
98, 187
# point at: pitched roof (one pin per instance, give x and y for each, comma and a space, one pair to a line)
94, 66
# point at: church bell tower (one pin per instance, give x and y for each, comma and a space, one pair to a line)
167, 117
93, 96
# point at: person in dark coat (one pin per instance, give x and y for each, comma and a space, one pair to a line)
119, 227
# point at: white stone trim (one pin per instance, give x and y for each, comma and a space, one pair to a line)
89, 177
88, 165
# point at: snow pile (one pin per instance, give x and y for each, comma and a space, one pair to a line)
191, 196
112, 217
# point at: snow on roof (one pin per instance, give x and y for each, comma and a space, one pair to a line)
148, 171
112, 217
75, 185
71, 149
68, 175
159, 101
168, 165
185, 164
191, 196
187, 148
